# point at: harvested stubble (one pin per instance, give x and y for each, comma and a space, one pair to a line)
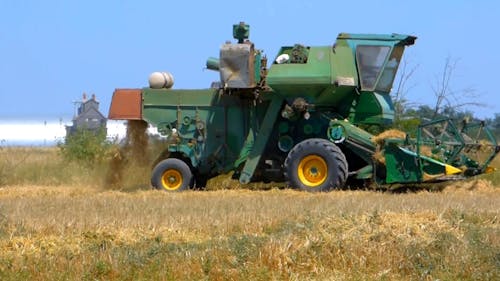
51, 233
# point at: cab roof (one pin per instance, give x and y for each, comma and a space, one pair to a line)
405, 39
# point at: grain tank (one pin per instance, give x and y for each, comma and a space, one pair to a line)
297, 118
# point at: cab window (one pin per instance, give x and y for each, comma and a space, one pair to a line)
370, 61
389, 73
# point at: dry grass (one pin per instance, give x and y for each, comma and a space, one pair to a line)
388, 134
493, 177
379, 140
83, 233
70, 227
22, 165
45, 166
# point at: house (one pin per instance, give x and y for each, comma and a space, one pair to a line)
87, 117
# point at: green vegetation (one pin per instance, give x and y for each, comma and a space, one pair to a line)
87, 148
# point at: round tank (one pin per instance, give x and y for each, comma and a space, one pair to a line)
159, 80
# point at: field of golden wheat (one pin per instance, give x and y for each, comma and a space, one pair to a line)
59, 221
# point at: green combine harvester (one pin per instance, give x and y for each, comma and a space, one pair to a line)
300, 120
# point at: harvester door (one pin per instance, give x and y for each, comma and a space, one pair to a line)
391, 67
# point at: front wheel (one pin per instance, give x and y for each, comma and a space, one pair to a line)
172, 175
316, 165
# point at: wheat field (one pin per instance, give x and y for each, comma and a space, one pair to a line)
58, 223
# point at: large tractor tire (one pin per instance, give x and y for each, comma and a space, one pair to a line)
316, 165
172, 175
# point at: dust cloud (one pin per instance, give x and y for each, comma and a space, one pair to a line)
130, 157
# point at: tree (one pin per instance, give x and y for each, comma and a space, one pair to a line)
448, 98
401, 103
449, 103
85, 147
403, 119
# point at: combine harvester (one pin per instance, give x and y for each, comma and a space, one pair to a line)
300, 120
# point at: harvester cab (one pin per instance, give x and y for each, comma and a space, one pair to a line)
299, 121
354, 76
377, 58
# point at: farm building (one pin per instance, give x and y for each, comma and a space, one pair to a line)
87, 116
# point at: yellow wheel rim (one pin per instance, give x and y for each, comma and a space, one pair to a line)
171, 179
312, 170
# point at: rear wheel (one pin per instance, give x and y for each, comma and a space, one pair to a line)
316, 165
172, 175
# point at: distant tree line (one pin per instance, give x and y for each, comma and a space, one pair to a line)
409, 119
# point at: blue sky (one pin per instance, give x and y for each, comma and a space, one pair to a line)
52, 51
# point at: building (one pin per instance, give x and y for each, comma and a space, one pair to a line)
87, 116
